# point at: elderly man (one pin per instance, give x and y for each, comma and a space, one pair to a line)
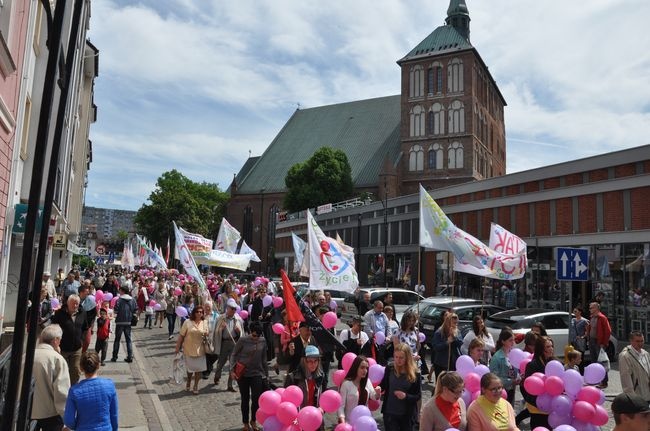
48, 284
52, 381
631, 413
73, 322
90, 307
228, 328
599, 333
70, 285
634, 365
375, 320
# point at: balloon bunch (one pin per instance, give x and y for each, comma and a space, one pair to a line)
375, 375
278, 409
472, 375
571, 405
360, 419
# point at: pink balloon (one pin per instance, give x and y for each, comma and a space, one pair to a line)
554, 385
600, 417
310, 418
261, 416
473, 382
113, 301
269, 402
590, 394
541, 429
373, 405
371, 362
522, 366
533, 385
504, 394
329, 320
293, 394
278, 328
583, 411
243, 314
178, 291
343, 427
99, 292
330, 401
292, 427
152, 303
277, 302
475, 395
347, 360
338, 377
287, 412
99, 296
157, 307
539, 375
279, 390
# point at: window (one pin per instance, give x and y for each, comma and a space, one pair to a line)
434, 78
430, 80
457, 117
455, 155
416, 158
435, 156
417, 121
439, 76
436, 123
416, 82
25, 132
455, 76
247, 231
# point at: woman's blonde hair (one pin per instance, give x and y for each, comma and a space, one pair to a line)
448, 379
409, 364
445, 328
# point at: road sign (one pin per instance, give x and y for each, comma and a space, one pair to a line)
100, 249
572, 264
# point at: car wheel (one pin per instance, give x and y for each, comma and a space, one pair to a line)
611, 352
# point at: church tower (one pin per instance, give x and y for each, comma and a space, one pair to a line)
452, 126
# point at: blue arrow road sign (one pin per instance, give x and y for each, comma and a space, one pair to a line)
572, 264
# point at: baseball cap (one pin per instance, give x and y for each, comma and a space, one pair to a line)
231, 303
630, 404
47, 273
312, 352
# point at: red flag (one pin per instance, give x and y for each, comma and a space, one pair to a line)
293, 311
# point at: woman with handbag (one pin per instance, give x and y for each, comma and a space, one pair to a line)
250, 371
192, 338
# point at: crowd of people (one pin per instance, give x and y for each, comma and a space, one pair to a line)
245, 325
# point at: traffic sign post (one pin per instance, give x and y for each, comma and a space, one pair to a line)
572, 264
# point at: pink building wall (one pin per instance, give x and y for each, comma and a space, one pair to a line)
9, 93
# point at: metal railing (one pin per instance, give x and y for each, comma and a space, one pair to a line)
5, 361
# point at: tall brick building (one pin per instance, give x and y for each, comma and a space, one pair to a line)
446, 127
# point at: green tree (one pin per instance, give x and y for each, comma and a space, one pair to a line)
122, 235
325, 177
196, 207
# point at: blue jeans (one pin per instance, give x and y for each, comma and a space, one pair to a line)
119, 329
171, 323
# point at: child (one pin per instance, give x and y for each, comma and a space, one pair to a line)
475, 350
103, 331
148, 315
574, 358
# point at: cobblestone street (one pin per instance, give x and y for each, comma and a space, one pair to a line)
149, 400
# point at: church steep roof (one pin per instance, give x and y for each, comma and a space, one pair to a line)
367, 131
443, 39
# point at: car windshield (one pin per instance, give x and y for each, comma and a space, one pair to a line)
433, 312
497, 323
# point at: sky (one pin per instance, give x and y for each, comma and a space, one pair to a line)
199, 85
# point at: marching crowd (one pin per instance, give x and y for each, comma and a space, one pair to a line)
381, 363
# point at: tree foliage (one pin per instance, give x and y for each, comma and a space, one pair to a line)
325, 177
196, 207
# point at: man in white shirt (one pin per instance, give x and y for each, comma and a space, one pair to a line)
354, 339
49, 284
634, 367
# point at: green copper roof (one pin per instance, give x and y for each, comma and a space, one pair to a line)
442, 39
366, 130
457, 7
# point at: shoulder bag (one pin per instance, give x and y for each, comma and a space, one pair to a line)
240, 368
208, 342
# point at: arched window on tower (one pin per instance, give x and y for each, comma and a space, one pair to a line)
247, 231
436, 120
435, 156
416, 158
417, 121
456, 117
416, 81
455, 76
455, 156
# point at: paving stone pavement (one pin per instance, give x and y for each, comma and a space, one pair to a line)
150, 400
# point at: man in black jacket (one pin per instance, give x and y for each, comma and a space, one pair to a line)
124, 309
74, 324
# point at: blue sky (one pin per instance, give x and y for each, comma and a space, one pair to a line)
196, 84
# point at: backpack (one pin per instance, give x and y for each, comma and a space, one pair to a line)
103, 331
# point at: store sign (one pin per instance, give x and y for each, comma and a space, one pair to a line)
20, 218
59, 241
324, 209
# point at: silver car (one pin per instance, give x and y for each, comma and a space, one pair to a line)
402, 299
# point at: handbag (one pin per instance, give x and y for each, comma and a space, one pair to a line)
208, 344
238, 370
134, 319
603, 359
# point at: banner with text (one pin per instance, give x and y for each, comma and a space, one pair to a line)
186, 258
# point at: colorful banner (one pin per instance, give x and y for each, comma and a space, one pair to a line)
228, 237
185, 256
199, 246
245, 249
299, 247
328, 266
154, 259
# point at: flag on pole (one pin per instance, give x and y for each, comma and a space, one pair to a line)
293, 311
347, 251
245, 249
167, 252
329, 268
186, 258
228, 237
299, 247
154, 259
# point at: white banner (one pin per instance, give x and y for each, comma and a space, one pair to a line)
328, 266
299, 247
245, 249
228, 237
224, 259
185, 256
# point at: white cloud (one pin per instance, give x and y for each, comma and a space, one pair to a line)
195, 84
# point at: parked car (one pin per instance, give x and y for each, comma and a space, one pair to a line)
431, 309
556, 323
402, 299
337, 295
